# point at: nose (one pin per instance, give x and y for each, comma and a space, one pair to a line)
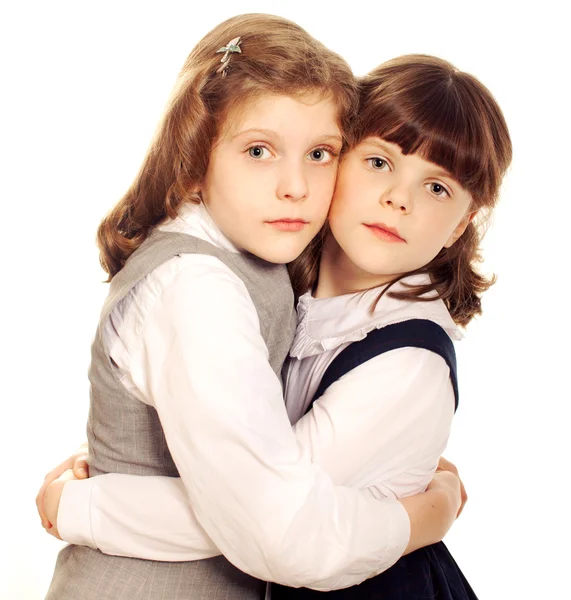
398, 197
292, 185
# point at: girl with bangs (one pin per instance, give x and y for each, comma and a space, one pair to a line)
412, 197
185, 387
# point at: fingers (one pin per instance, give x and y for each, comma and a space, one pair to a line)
81, 468
52, 499
68, 475
446, 465
51, 476
68, 463
53, 531
40, 507
464, 498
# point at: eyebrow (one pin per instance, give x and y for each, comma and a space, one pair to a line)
444, 173
439, 171
375, 142
269, 133
332, 137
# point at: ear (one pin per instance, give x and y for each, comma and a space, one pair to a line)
460, 228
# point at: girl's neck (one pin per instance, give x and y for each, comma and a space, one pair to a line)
338, 275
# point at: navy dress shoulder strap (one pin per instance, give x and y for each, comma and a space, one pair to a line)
415, 333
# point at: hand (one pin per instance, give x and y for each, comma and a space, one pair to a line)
432, 512
78, 463
52, 498
448, 483
446, 465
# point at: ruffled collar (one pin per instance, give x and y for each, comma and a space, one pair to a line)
326, 323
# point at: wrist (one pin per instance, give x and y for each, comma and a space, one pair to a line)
431, 515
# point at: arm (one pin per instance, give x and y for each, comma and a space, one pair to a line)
78, 462
385, 424
129, 515
100, 514
257, 494
399, 432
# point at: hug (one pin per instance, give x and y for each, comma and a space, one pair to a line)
273, 376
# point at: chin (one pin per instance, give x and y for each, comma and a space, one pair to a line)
278, 255
278, 258
375, 268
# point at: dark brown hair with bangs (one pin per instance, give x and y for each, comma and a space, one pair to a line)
277, 57
428, 107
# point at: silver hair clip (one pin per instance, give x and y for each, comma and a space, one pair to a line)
232, 47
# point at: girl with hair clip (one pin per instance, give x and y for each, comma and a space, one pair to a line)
185, 385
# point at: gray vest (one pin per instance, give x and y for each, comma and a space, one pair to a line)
125, 436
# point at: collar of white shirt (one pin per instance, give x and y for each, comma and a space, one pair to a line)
327, 323
194, 219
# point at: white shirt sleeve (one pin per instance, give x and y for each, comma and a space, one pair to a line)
383, 425
134, 516
202, 363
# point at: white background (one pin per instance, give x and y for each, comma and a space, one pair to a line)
83, 85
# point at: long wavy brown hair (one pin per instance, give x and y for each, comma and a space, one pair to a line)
430, 108
278, 57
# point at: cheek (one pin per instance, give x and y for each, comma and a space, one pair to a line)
324, 180
436, 229
339, 215
351, 202
451, 222
321, 189
430, 216
341, 194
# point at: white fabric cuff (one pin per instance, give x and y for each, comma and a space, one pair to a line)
74, 513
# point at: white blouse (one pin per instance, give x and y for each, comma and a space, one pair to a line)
384, 425
249, 488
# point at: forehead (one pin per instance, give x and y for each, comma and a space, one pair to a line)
312, 112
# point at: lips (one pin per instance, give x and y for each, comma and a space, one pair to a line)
288, 221
288, 224
385, 232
